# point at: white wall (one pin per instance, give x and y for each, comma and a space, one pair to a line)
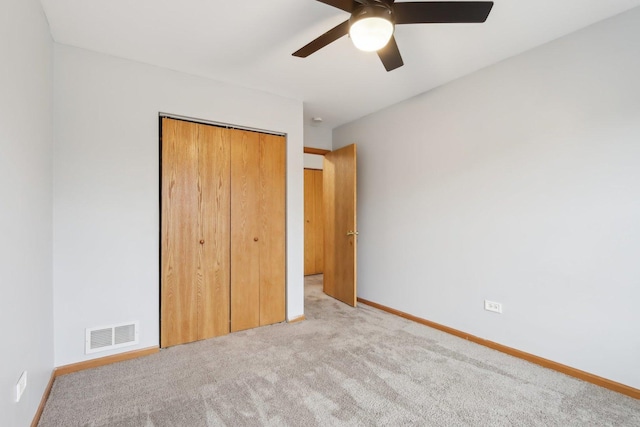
26, 112
520, 184
313, 161
106, 189
316, 136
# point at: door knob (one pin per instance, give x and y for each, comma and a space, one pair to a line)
202, 242
255, 239
352, 233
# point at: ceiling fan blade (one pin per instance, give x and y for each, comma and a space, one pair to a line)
346, 5
330, 36
390, 55
442, 12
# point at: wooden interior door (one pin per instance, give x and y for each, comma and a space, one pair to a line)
340, 236
245, 230
319, 217
222, 231
272, 228
214, 223
195, 232
257, 230
180, 250
313, 222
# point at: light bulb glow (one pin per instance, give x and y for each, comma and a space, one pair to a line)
371, 34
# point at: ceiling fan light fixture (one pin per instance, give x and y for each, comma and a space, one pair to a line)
371, 27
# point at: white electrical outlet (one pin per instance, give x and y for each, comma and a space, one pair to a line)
492, 306
22, 384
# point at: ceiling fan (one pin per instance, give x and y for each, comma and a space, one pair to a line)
372, 23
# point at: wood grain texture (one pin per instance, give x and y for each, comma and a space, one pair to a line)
309, 223
102, 361
223, 231
245, 230
550, 364
214, 224
340, 276
329, 206
313, 222
179, 233
272, 228
346, 220
319, 222
318, 151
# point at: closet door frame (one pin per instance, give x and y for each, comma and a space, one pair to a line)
162, 116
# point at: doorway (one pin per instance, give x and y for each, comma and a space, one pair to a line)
339, 223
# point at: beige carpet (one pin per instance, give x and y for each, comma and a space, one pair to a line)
342, 366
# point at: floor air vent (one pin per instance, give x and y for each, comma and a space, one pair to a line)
111, 337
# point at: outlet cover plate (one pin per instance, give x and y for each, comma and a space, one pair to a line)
496, 307
21, 386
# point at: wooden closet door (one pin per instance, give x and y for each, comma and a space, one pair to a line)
223, 231
309, 222
179, 233
319, 222
272, 229
313, 222
245, 230
214, 221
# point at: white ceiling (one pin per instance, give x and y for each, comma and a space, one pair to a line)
249, 43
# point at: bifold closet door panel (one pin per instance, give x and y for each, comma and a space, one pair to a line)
214, 220
245, 230
222, 232
179, 234
272, 229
